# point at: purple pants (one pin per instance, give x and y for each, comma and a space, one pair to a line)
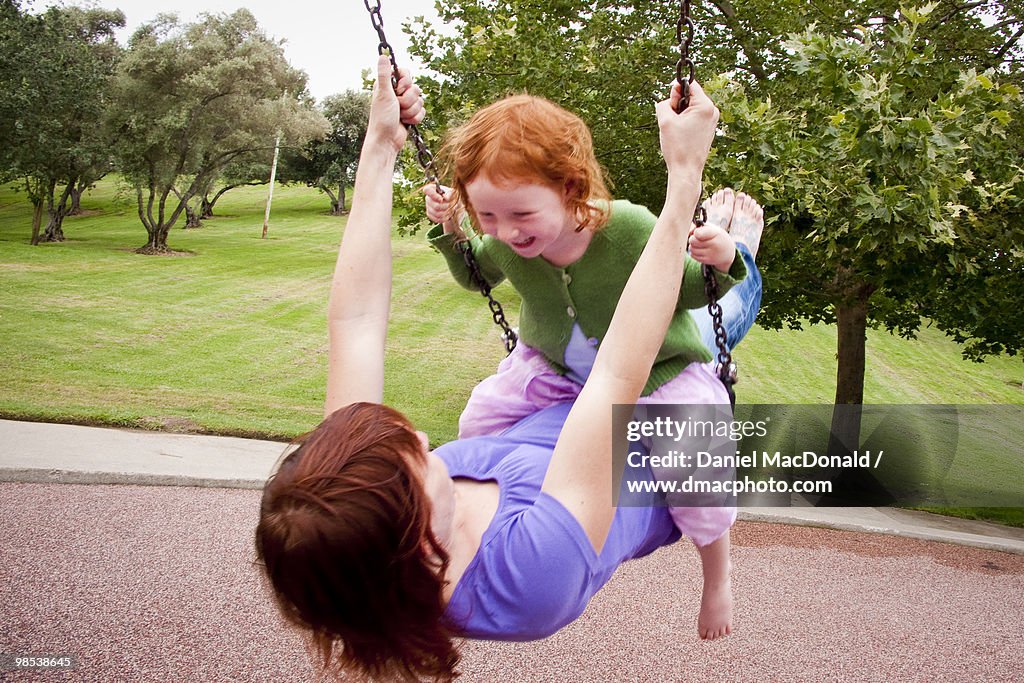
525, 383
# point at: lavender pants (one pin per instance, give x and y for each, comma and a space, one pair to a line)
525, 383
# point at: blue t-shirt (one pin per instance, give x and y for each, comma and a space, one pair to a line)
536, 570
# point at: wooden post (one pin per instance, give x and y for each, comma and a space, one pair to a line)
273, 174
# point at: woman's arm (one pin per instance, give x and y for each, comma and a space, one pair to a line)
357, 312
580, 474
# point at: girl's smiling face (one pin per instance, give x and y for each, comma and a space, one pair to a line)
531, 218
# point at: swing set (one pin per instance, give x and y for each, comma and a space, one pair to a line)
725, 367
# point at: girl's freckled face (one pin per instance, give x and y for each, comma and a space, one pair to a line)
529, 217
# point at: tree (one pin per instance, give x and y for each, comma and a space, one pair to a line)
52, 135
872, 170
330, 164
191, 100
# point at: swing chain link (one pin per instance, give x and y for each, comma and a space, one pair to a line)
508, 335
684, 39
423, 154
426, 160
725, 367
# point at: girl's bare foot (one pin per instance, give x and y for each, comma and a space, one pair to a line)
747, 222
719, 207
715, 619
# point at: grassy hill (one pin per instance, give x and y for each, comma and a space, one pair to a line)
228, 336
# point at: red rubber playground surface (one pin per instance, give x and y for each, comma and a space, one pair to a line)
157, 584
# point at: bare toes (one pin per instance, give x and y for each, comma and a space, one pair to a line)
724, 195
720, 207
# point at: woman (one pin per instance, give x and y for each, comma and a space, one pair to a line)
384, 550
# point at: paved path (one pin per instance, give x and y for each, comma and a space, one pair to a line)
156, 583
69, 454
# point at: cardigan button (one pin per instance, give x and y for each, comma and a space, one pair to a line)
570, 311
566, 278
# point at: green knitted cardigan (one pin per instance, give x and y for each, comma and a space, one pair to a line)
586, 292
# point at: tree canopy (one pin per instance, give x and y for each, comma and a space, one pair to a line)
875, 171
330, 163
55, 70
190, 99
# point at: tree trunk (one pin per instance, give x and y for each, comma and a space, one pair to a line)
191, 217
86, 181
37, 220
206, 206
851, 322
54, 228
76, 200
851, 486
341, 198
157, 243
57, 211
335, 206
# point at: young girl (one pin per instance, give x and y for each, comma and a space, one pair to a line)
525, 171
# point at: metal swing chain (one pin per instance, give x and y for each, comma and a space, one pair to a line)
684, 38
508, 335
725, 366
426, 161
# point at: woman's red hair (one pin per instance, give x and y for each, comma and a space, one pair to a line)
528, 139
344, 537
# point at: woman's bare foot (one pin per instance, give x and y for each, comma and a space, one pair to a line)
747, 222
715, 619
719, 207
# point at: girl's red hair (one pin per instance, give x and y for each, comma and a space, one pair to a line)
528, 139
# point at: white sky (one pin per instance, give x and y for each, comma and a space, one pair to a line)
331, 40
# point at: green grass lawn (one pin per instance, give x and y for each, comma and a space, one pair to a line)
228, 336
